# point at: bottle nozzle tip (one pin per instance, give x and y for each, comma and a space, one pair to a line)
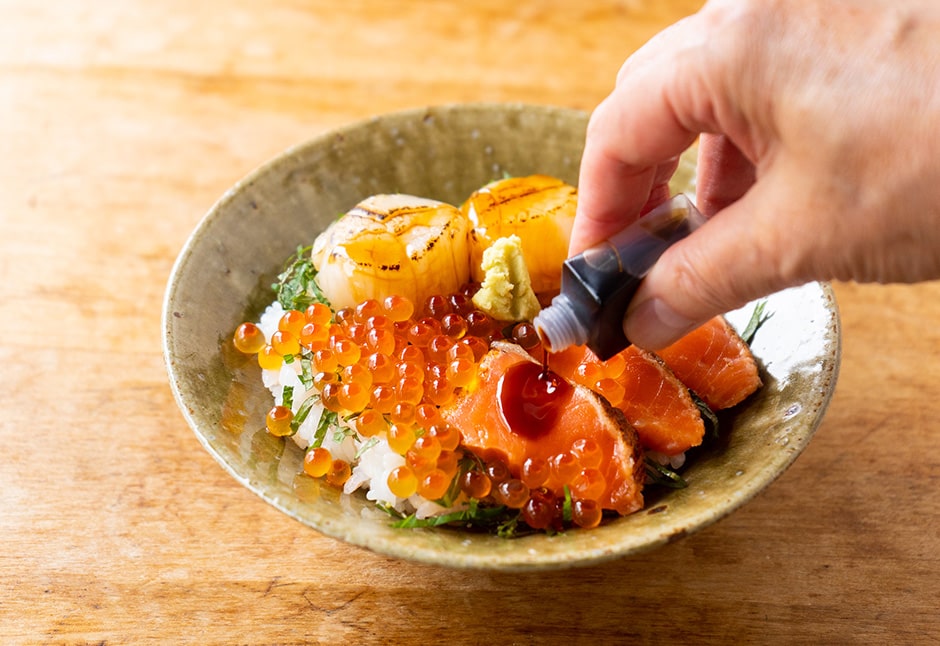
558, 326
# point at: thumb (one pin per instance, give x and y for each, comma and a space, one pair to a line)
742, 253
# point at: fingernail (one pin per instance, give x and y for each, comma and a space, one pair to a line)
653, 324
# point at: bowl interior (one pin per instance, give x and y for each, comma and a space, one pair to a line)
223, 276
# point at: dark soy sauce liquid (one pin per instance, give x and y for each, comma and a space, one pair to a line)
531, 398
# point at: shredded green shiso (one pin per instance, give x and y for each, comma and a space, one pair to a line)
296, 287
758, 318
660, 475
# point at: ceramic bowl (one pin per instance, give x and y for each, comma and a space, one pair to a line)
223, 276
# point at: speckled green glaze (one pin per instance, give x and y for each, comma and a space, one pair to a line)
222, 277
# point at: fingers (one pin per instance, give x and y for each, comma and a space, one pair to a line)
635, 137
611, 191
797, 185
680, 84
724, 174
712, 272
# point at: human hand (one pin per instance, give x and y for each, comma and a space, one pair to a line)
819, 158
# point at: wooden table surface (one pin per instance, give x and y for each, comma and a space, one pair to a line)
122, 122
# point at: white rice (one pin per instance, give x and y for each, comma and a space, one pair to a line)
672, 461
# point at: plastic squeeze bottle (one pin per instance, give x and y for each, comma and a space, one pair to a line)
597, 285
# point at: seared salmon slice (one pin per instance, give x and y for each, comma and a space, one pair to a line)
581, 418
715, 363
655, 402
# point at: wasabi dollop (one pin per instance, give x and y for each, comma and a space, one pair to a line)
506, 291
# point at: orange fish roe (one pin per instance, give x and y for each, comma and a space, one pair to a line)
588, 452
338, 473
285, 343
269, 358
403, 413
447, 436
427, 447
292, 321
586, 513
454, 325
427, 415
539, 511
400, 438
371, 423
353, 397
398, 308
317, 462
325, 361
434, 484
249, 338
449, 462
387, 367
513, 493
402, 481
419, 462
318, 313
476, 484
383, 398
314, 335
535, 472
278, 421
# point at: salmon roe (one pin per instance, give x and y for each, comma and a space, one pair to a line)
318, 313
338, 473
249, 338
292, 321
387, 367
317, 462
269, 358
278, 421
402, 481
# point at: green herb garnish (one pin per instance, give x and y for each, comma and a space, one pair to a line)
474, 515
708, 416
453, 491
508, 528
566, 507
758, 318
287, 399
368, 444
296, 286
660, 474
327, 419
340, 433
306, 372
301, 415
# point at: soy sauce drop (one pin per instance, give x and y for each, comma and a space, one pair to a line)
531, 398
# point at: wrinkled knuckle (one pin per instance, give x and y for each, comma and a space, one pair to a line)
791, 261
699, 283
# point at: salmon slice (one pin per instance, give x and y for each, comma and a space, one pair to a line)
655, 402
583, 415
715, 362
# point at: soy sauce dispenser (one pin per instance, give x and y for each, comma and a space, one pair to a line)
598, 284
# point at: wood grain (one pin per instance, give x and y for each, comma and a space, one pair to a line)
121, 123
